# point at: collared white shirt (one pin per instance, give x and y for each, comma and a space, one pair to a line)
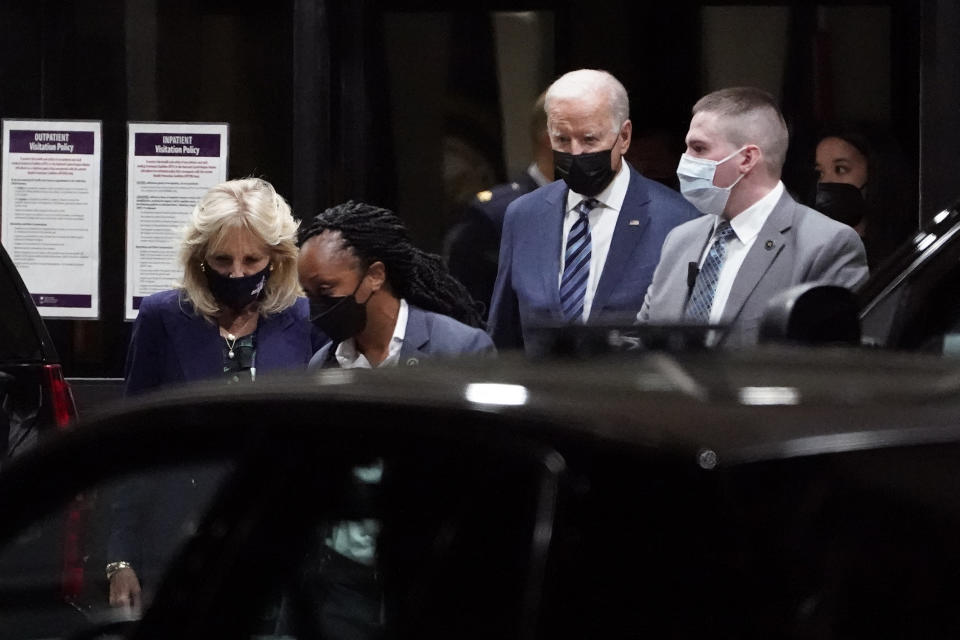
746, 227
602, 221
534, 172
349, 358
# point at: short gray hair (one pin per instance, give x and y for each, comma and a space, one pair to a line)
750, 116
585, 82
252, 204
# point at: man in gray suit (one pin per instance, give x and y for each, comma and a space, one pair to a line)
755, 240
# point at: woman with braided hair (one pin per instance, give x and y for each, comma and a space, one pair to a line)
381, 300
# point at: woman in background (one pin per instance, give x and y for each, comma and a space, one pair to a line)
860, 182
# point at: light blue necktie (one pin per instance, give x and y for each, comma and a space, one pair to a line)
576, 263
701, 300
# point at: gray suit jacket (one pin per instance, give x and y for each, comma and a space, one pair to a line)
796, 244
428, 335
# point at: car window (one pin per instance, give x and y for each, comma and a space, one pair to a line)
286, 535
928, 314
922, 311
52, 574
19, 340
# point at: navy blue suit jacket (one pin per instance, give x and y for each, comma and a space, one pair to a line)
171, 344
527, 289
428, 335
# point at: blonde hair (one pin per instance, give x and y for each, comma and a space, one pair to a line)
254, 205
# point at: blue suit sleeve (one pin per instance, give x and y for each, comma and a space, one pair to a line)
144, 366
504, 323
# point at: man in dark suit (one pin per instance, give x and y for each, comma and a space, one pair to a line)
756, 240
472, 246
583, 248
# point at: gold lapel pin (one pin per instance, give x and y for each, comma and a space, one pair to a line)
768, 245
634, 223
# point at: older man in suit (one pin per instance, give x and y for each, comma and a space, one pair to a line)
756, 240
583, 248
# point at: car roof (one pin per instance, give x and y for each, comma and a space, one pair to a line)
709, 408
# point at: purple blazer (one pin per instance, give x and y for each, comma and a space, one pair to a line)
171, 344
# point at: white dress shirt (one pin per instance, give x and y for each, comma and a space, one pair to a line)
349, 358
602, 221
746, 228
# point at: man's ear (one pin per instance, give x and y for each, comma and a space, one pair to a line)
752, 156
376, 275
626, 134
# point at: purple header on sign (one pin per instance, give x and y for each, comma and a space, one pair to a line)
61, 300
203, 145
22, 141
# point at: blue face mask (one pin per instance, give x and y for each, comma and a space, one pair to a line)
696, 183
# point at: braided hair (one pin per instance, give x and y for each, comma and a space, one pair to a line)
376, 234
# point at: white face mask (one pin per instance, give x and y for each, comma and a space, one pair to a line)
696, 183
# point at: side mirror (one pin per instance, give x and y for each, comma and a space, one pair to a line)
812, 314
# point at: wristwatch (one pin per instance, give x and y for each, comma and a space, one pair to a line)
113, 567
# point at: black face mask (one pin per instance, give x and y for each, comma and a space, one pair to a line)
842, 202
339, 317
236, 293
587, 174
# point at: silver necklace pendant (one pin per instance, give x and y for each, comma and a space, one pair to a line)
231, 341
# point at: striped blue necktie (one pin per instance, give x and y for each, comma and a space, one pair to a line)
576, 264
701, 300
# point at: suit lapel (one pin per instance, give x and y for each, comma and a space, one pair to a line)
549, 250
196, 342
272, 352
631, 224
769, 244
415, 337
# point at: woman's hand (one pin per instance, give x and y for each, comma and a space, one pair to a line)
125, 589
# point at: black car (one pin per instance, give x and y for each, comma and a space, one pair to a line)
913, 300
35, 401
773, 493
34, 397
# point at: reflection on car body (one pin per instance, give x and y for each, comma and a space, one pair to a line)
751, 494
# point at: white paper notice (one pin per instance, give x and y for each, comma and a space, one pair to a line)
51, 212
169, 168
